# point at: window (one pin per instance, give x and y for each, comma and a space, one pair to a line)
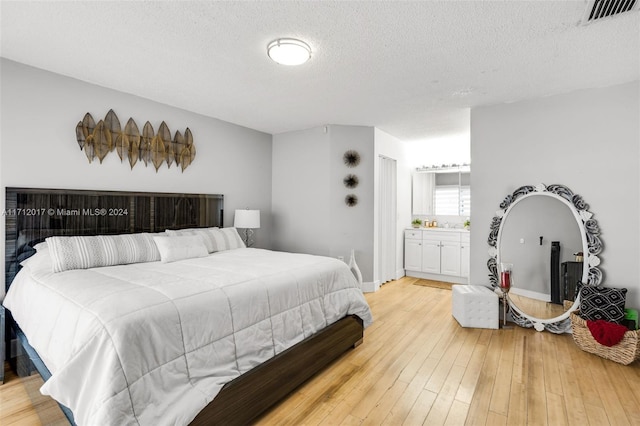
453, 200
447, 200
465, 201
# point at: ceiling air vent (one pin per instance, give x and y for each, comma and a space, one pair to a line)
599, 9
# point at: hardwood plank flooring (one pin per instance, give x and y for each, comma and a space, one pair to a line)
418, 366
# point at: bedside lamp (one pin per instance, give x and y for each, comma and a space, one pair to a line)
247, 220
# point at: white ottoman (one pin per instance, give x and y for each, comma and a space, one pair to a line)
475, 306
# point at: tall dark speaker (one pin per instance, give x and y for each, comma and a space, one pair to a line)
571, 275
556, 292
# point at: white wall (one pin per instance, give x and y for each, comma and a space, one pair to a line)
588, 140
309, 212
38, 146
391, 147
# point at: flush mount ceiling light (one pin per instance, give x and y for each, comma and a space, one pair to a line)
289, 51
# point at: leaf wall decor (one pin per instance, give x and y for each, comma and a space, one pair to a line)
89, 150
165, 134
122, 145
88, 124
101, 140
157, 152
97, 140
178, 146
134, 151
133, 135
185, 158
112, 123
80, 136
145, 143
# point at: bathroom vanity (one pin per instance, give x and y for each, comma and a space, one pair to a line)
440, 254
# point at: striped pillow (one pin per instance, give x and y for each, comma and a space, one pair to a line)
101, 250
227, 239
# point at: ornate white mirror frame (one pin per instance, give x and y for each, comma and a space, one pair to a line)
591, 243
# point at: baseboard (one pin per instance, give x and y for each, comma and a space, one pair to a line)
531, 294
438, 277
399, 273
370, 287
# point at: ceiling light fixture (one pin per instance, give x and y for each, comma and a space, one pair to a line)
289, 51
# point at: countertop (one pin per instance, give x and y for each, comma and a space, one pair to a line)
440, 229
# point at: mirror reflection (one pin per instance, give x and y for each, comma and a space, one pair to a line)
534, 228
442, 192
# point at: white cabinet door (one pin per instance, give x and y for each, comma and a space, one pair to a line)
431, 256
450, 258
412, 255
465, 259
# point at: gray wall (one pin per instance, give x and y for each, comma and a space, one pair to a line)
309, 213
588, 140
38, 146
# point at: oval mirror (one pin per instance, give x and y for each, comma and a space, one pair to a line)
541, 231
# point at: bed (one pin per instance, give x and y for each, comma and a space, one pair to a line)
216, 337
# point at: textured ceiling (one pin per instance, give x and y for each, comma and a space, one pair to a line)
411, 69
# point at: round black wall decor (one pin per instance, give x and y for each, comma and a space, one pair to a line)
351, 200
351, 158
351, 181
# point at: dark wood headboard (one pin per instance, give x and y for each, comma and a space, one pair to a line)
33, 214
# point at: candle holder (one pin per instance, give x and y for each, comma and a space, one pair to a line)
506, 280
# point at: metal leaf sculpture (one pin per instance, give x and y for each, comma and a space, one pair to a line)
89, 150
145, 143
122, 145
98, 140
112, 123
88, 124
165, 134
80, 135
133, 136
134, 151
178, 146
188, 140
102, 142
185, 158
157, 152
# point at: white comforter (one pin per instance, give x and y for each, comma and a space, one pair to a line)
153, 343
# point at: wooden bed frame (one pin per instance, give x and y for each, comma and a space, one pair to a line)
40, 213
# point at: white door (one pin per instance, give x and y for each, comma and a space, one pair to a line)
431, 256
450, 258
465, 259
387, 219
412, 255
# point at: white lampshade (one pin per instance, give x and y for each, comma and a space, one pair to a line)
289, 51
247, 219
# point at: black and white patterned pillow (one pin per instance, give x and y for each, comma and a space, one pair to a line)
602, 303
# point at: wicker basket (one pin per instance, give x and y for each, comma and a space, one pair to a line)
625, 352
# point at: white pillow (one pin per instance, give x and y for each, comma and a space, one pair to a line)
204, 233
180, 247
101, 250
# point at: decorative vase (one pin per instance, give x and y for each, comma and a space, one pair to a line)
353, 266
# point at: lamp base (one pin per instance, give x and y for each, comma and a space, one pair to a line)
247, 234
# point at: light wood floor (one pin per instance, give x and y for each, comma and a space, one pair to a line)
418, 366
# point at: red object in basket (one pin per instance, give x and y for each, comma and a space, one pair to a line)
505, 280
